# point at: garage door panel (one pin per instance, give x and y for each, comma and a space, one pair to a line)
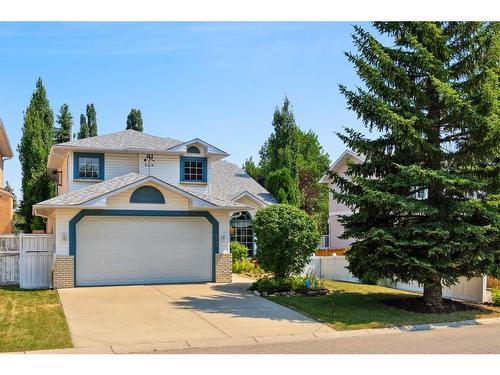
128, 250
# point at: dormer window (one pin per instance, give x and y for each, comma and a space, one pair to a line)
193, 150
88, 166
193, 169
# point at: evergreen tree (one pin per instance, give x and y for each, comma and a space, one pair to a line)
84, 129
433, 97
91, 120
288, 147
65, 121
134, 120
34, 148
10, 190
284, 187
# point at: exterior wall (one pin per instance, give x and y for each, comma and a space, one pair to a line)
1, 171
63, 272
65, 180
250, 202
173, 201
224, 238
114, 165
335, 207
223, 267
336, 229
6, 212
62, 218
166, 168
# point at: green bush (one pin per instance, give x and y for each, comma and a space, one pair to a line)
297, 284
369, 278
286, 238
247, 266
238, 251
495, 296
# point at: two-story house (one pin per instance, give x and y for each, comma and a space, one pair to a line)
335, 209
133, 208
6, 198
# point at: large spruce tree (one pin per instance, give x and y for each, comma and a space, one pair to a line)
34, 148
65, 122
425, 201
134, 120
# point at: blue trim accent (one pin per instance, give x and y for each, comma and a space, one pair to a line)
150, 213
147, 194
193, 158
78, 155
193, 150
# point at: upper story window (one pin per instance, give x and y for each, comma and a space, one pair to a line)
88, 166
193, 169
193, 150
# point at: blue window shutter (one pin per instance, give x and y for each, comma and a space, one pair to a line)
204, 169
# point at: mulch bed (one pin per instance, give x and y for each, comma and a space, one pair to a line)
417, 305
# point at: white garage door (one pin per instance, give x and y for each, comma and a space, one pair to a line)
141, 250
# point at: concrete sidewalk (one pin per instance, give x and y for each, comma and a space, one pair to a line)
310, 340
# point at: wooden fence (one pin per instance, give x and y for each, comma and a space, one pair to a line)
492, 282
335, 268
26, 260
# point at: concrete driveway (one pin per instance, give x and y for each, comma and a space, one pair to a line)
189, 313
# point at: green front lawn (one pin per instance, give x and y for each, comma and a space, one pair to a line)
31, 320
359, 306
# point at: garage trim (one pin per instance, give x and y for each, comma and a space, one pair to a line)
152, 213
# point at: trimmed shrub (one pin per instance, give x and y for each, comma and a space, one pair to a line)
495, 296
297, 284
238, 251
247, 266
286, 239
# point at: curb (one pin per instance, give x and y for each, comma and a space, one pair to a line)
165, 347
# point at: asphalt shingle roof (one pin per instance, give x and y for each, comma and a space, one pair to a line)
123, 140
77, 197
229, 181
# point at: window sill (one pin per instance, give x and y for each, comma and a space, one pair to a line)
87, 180
194, 183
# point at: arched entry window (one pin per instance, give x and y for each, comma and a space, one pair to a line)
241, 230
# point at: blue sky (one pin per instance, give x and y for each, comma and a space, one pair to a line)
216, 81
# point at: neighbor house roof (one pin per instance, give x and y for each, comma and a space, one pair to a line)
101, 189
347, 154
5, 149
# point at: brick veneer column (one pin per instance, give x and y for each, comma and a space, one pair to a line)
223, 267
63, 274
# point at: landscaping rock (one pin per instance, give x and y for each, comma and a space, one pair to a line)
264, 294
257, 293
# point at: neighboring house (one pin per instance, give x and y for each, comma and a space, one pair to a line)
335, 209
133, 208
6, 198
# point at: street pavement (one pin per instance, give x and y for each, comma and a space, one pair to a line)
479, 339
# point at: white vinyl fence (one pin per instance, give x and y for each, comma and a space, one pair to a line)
335, 268
26, 260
